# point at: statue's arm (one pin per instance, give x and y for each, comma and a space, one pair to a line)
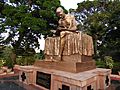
71, 22
73, 25
61, 27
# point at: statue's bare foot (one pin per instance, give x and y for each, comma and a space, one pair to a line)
60, 57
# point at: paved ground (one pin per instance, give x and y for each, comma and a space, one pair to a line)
10, 82
28, 87
16, 85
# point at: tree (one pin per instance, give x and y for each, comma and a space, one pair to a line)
100, 19
27, 20
7, 56
111, 41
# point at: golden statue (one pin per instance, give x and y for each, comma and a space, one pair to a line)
71, 50
67, 25
70, 45
67, 21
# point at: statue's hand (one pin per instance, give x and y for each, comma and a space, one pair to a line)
61, 28
53, 31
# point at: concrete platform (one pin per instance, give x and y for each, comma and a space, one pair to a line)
96, 79
74, 67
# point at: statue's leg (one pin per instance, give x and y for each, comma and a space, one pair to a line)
62, 44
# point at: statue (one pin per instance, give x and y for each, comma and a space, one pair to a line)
71, 45
71, 50
67, 25
67, 21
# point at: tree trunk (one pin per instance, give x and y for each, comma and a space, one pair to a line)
30, 2
13, 57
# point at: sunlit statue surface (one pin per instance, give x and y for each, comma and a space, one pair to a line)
66, 22
67, 25
71, 44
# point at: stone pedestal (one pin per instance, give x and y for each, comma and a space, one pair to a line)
76, 70
51, 79
26, 75
74, 67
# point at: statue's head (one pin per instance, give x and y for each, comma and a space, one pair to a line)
60, 12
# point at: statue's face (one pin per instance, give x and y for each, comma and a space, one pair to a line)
60, 14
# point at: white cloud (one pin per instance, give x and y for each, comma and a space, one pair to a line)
70, 3
42, 44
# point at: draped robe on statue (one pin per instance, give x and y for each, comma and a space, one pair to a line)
77, 44
71, 51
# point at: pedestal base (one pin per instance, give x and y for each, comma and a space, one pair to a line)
74, 67
51, 79
69, 58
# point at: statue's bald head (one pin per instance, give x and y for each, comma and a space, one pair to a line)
59, 11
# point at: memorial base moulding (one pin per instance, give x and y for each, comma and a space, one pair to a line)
74, 67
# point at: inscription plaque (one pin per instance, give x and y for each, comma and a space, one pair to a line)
64, 87
43, 79
89, 87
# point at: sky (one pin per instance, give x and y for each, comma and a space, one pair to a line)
70, 3
67, 5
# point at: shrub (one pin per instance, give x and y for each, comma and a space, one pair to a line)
25, 60
109, 62
100, 64
1, 63
7, 57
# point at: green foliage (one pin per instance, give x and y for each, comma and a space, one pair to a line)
27, 20
100, 64
29, 59
25, 60
109, 61
39, 56
7, 52
106, 63
101, 20
116, 67
2, 62
25, 56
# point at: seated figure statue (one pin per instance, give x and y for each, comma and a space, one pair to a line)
67, 22
70, 42
67, 25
